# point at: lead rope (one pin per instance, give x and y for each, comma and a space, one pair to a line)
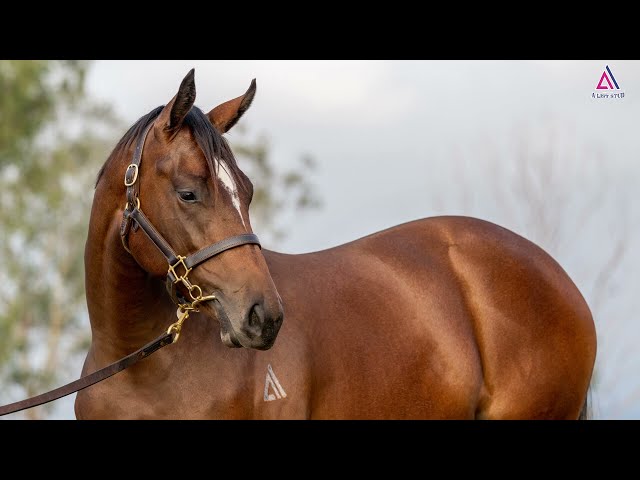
163, 340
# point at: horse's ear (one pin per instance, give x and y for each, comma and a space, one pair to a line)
172, 115
227, 114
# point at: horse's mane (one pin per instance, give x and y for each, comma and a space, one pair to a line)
210, 141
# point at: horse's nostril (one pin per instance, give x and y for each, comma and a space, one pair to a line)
268, 329
255, 316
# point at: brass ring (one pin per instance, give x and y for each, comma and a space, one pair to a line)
193, 287
126, 205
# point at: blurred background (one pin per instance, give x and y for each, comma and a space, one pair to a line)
336, 150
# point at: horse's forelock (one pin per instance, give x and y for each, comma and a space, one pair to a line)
209, 140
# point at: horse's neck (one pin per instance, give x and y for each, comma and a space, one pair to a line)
126, 307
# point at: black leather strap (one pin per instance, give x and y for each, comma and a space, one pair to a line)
93, 378
196, 258
219, 247
131, 176
154, 235
133, 170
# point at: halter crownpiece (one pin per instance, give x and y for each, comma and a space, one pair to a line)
179, 266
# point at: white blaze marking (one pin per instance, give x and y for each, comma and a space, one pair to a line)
230, 186
272, 381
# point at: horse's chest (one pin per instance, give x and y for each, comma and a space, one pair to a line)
263, 390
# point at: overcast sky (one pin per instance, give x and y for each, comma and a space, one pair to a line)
400, 140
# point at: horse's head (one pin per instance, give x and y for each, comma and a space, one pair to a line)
194, 194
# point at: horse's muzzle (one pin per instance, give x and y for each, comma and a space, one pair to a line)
260, 328
257, 330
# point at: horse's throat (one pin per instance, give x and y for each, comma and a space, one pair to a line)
126, 306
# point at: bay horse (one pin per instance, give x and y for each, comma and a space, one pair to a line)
444, 317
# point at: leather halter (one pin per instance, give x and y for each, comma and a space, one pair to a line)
133, 216
179, 266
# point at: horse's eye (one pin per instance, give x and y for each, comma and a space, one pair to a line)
187, 197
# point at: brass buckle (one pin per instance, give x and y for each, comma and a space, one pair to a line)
180, 278
135, 175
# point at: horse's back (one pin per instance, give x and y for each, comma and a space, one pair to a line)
441, 317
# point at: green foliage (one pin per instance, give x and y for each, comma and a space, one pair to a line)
50, 150
32, 93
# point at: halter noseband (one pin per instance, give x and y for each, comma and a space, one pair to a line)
179, 266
